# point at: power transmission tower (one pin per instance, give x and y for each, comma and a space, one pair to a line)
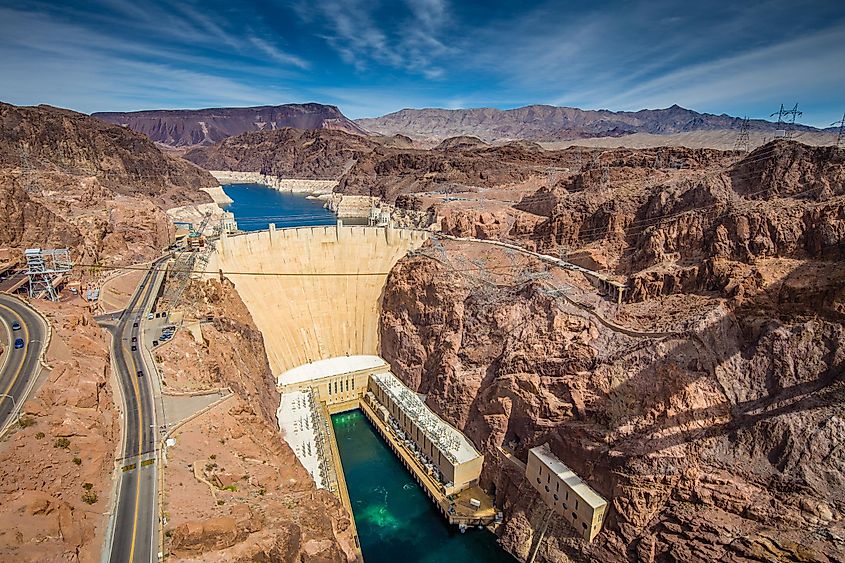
27, 173
786, 119
741, 143
840, 140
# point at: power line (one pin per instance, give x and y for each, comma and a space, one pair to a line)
741, 143
840, 139
786, 119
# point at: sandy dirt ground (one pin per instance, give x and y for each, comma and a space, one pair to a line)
116, 292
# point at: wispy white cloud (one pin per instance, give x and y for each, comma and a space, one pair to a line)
410, 43
277, 54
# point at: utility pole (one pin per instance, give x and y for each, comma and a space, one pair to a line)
840, 140
786, 119
741, 143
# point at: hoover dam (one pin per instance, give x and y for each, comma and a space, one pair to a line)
314, 292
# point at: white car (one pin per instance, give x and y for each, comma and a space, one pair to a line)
150, 316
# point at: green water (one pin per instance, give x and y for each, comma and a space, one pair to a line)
396, 521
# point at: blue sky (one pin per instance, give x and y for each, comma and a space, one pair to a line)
374, 57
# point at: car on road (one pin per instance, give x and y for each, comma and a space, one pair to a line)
18, 343
134, 339
134, 348
16, 325
150, 316
140, 373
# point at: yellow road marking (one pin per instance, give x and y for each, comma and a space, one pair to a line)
25, 349
134, 376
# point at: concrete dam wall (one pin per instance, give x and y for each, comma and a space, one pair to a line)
314, 292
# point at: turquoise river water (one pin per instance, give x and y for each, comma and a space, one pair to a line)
396, 521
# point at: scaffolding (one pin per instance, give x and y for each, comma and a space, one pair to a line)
44, 267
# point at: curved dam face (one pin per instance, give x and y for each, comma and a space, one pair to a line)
314, 292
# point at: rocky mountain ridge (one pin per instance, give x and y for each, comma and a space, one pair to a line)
552, 123
69, 180
188, 127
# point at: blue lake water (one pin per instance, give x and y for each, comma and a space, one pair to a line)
256, 206
396, 521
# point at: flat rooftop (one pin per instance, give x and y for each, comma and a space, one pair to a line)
588, 495
330, 367
449, 439
296, 420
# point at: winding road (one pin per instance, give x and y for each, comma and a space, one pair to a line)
133, 529
19, 368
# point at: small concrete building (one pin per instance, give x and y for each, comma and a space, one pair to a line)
441, 445
565, 492
339, 382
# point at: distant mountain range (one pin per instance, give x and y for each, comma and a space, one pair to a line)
551, 123
187, 128
204, 127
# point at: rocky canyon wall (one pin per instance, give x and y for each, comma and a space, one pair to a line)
713, 426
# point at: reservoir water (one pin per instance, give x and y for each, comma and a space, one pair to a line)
396, 521
256, 206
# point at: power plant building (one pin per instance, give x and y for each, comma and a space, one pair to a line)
565, 492
443, 447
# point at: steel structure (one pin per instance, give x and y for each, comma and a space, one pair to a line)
786, 119
42, 267
840, 140
742, 140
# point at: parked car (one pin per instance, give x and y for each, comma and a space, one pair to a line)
150, 317
16, 325
18, 343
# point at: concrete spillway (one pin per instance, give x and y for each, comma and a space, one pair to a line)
314, 292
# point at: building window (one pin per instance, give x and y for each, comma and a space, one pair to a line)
556, 499
574, 516
547, 488
538, 480
557, 487
576, 505
584, 525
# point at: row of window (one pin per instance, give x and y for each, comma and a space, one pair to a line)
345, 385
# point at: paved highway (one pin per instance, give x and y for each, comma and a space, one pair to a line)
18, 367
134, 525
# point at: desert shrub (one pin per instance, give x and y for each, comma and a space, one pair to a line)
26, 421
63, 443
39, 435
77, 460
89, 497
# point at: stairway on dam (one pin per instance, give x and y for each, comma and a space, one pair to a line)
314, 292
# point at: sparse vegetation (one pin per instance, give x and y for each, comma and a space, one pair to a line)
231, 488
213, 456
26, 421
39, 435
77, 460
221, 502
89, 497
88, 486
62, 443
